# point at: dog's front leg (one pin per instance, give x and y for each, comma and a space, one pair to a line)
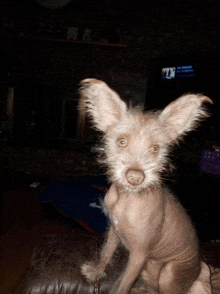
136, 262
95, 269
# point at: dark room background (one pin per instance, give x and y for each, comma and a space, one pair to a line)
47, 47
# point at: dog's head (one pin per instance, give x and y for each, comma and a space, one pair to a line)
137, 143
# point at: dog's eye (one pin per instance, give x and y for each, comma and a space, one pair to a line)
122, 142
155, 149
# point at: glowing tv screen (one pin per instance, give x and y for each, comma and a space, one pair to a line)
173, 72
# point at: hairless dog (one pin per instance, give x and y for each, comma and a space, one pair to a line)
144, 215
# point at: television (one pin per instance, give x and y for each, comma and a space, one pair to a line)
175, 72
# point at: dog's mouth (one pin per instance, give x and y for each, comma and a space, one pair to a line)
134, 180
133, 190
136, 190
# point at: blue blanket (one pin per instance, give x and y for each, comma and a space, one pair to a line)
80, 199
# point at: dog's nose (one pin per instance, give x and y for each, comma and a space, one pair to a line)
135, 177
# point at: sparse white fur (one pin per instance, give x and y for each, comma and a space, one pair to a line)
144, 215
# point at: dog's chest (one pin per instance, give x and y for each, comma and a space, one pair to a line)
123, 212
117, 214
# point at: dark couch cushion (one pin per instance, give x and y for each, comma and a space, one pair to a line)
55, 265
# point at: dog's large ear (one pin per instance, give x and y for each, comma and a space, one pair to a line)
183, 114
101, 103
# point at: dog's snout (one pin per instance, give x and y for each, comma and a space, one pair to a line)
135, 177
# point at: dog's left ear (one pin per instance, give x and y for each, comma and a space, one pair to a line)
183, 114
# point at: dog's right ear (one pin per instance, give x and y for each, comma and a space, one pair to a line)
101, 103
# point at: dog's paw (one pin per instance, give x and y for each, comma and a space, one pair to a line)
202, 285
92, 271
